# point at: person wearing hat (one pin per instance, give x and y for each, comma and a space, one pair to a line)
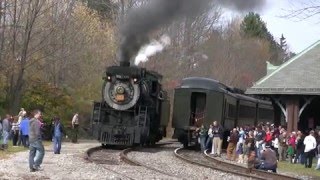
269, 159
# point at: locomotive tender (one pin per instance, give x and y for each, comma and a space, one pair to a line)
134, 109
201, 101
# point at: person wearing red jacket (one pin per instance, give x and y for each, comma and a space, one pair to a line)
291, 146
268, 137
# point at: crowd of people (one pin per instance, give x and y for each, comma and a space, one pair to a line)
26, 129
262, 146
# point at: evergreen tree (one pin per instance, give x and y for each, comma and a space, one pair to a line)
253, 26
106, 8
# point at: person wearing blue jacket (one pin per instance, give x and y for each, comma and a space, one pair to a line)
57, 134
24, 130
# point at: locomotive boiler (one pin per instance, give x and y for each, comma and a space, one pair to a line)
134, 109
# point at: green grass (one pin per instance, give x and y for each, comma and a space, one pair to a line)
299, 169
11, 150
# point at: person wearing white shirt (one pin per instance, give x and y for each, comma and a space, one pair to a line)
310, 145
75, 127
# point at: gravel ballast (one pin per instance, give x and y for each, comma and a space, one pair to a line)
163, 159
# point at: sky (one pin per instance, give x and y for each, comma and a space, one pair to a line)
299, 33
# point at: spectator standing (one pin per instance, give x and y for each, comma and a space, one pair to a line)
210, 139
203, 137
24, 130
268, 137
283, 146
231, 149
1, 148
57, 131
242, 136
248, 146
309, 150
260, 136
318, 154
300, 148
75, 127
275, 144
35, 141
291, 146
21, 115
15, 131
217, 132
6, 131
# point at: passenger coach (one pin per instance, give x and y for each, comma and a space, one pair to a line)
201, 101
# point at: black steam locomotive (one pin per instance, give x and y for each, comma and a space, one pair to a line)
134, 109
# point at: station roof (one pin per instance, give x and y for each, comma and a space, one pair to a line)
298, 76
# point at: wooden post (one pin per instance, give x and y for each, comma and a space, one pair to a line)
289, 115
292, 108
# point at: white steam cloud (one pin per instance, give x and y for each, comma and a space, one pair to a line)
151, 49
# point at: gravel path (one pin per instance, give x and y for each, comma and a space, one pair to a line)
164, 159
70, 164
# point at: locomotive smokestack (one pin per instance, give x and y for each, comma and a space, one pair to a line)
140, 22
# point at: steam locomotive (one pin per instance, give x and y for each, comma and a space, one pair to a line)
134, 109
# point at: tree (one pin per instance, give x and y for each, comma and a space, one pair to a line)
253, 26
105, 8
53, 42
302, 10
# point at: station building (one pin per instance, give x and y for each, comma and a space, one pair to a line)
294, 88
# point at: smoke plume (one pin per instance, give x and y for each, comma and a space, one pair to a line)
242, 5
143, 20
152, 49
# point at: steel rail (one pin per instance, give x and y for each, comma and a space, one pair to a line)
213, 166
124, 157
256, 172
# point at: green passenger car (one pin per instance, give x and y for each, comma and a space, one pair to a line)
200, 101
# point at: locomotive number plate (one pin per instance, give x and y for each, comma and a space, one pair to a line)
120, 97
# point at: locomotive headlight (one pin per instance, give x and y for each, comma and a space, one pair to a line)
109, 78
135, 80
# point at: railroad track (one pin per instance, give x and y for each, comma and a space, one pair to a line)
88, 157
202, 161
254, 172
125, 158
